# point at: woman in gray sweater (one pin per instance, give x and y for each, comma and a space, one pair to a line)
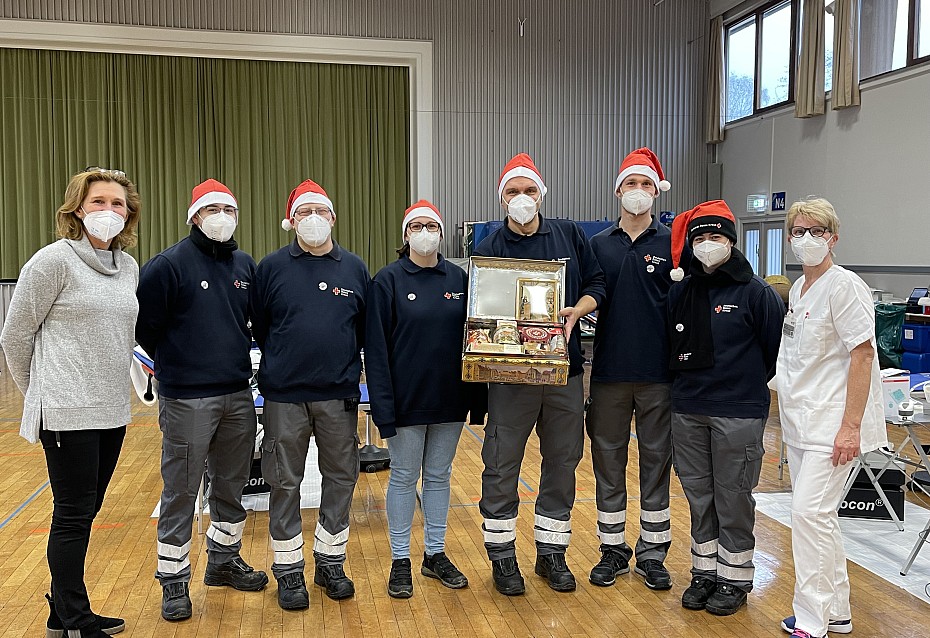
68, 342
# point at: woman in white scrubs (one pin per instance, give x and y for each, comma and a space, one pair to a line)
829, 400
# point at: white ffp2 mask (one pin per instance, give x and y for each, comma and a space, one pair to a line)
104, 224
711, 253
810, 250
218, 226
636, 201
314, 230
522, 209
424, 243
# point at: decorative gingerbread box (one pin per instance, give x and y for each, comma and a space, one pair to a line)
513, 333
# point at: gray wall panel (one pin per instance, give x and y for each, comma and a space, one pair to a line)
587, 82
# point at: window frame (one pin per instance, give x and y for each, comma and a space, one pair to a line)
757, 16
913, 33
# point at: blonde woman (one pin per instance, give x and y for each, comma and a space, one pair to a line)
68, 341
829, 400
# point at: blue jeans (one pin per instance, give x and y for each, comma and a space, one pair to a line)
432, 448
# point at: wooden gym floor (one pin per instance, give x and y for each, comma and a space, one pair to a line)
121, 562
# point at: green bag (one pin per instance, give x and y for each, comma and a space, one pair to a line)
889, 322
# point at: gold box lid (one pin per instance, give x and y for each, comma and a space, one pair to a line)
493, 284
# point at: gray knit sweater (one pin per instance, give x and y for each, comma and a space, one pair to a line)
68, 338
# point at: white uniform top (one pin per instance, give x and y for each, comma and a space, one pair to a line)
821, 328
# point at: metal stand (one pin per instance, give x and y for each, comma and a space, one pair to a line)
922, 534
372, 458
873, 479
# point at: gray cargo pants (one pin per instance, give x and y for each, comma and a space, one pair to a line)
609, 418
288, 428
557, 412
719, 460
218, 431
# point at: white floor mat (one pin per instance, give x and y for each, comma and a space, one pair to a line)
310, 488
875, 545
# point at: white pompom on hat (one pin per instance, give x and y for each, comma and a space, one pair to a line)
208, 193
307, 192
520, 165
422, 208
643, 161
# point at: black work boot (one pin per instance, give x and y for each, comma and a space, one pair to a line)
292, 591
695, 597
655, 574
176, 602
726, 600
613, 563
439, 566
333, 579
54, 628
236, 574
553, 568
507, 577
400, 583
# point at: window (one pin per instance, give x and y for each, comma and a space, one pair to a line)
760, 54
828, 45
893, 34
922, 20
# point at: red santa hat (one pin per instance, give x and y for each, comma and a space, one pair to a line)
422, 208
208, 193
520, 165
307, 192
710, 217
643, 161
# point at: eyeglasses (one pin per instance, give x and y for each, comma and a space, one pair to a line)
415, 227
229, 210
106, 171
815, 231
322, 212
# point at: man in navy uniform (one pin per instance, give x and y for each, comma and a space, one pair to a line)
308, 317
197, 293
557, 412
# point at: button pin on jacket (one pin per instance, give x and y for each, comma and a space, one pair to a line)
411, 296
204, 284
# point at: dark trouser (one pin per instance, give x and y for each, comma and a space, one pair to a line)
719, 460
608, 424
218, 431
557, 412
288, 428
80, 466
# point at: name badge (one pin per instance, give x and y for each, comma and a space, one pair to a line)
787, 328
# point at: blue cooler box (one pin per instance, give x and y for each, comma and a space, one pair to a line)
916, 362
916, 338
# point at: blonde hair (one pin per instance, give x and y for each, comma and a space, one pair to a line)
817, 209
69, 225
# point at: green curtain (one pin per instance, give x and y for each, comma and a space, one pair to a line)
260, 127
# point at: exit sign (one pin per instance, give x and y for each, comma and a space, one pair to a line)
756, 203
778, 201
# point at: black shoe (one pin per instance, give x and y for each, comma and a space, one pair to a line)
726, 600
439, 566
292, 591
507, 577
657, 577
54, 628
400, 583
552, 567
334, 580
237, 574
613, 563
695, 597
176, 602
